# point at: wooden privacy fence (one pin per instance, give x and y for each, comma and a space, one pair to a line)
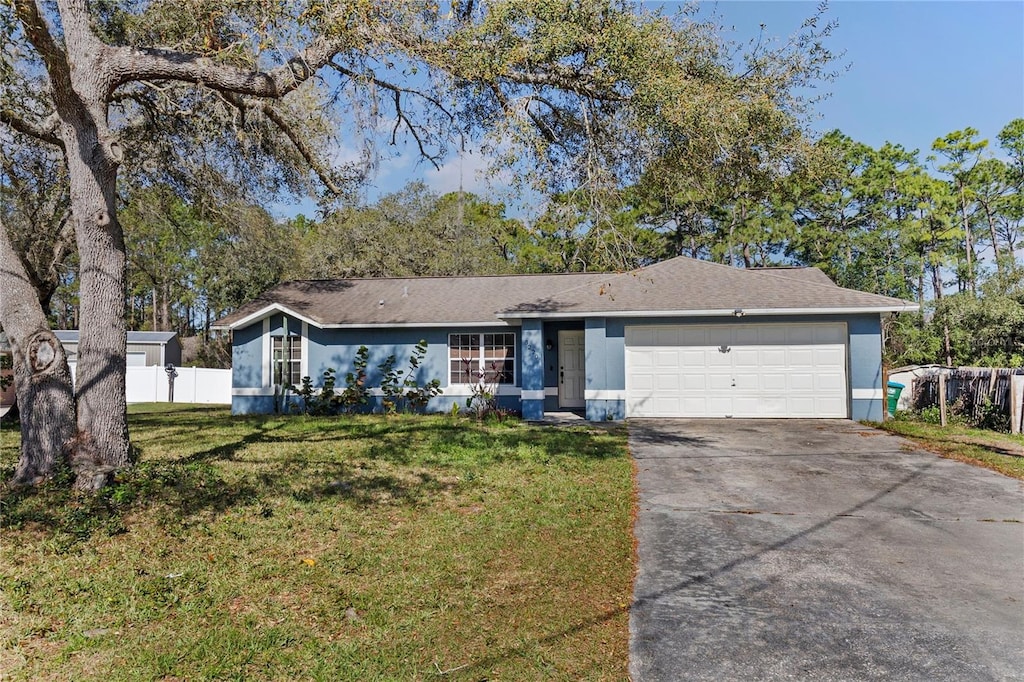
976, 391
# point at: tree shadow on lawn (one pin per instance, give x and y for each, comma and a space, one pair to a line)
400, 462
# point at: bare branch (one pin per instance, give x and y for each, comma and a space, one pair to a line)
44, 131
38, 33
401, 119
371, 77
310, 156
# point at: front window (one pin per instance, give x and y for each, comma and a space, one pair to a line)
287, 360
486, 358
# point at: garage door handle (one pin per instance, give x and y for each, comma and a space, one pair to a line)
724, 349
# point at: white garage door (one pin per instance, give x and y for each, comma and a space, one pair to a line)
737, 370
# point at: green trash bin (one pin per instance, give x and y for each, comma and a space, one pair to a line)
892, 395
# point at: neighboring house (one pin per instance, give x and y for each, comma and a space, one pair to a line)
145, 349
681, 338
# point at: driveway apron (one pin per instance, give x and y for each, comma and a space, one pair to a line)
824, 550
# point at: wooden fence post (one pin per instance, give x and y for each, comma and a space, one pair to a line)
942, 399
1016, 400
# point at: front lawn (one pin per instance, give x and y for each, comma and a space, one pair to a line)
1000, 452
352, 548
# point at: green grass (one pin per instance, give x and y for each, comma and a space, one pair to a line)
353, 548
1000, 452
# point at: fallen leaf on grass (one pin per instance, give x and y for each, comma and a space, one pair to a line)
309, 561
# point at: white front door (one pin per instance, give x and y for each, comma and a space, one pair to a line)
572, 377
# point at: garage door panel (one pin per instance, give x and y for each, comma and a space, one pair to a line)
771, 405
695, 407
692, 357
834, 334
641, 336
641, 358
719, 382
642, 382
666, 358
746, 382
715, 358
829, 382
801, 381
801, 406
666, 336
829, 406
693, 382
742, 370
799, 334
719, 336
771, 335
667, 382
745, 336
828, 357
746, 357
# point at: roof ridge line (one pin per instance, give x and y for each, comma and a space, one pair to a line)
421, 277
831, 286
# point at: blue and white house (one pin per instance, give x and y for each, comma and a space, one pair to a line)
680, 338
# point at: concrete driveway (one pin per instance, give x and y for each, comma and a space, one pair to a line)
821, 550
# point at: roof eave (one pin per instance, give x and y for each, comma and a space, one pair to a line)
724, 312
274, 308
263, 312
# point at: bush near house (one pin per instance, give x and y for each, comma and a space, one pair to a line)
343, 548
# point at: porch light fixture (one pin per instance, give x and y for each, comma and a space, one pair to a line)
548, 345
738, 312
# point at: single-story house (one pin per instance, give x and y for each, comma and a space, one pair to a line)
145, 349
680, 338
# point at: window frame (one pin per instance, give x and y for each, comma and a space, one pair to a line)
294, 362
481, 350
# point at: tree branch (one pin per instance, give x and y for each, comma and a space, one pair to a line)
44, 131
304, 150
38, 33
142, 64
570, 80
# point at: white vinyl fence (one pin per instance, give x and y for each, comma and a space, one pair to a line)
191, 385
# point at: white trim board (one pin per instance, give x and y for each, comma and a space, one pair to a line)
737, 313
590, 394
867, 393
266, 312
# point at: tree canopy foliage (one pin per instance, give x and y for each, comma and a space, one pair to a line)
205, 97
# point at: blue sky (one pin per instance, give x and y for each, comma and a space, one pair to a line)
916, 71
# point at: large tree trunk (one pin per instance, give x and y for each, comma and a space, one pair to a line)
102, 412
42, 379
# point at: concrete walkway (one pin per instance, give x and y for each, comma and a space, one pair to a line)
822, 550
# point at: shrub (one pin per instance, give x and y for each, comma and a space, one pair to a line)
323, 401
356, 392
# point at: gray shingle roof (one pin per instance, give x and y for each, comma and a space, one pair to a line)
406, 300
679, 284
685, 285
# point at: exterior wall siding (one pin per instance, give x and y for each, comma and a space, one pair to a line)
337, 348
247, 357
865, 365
